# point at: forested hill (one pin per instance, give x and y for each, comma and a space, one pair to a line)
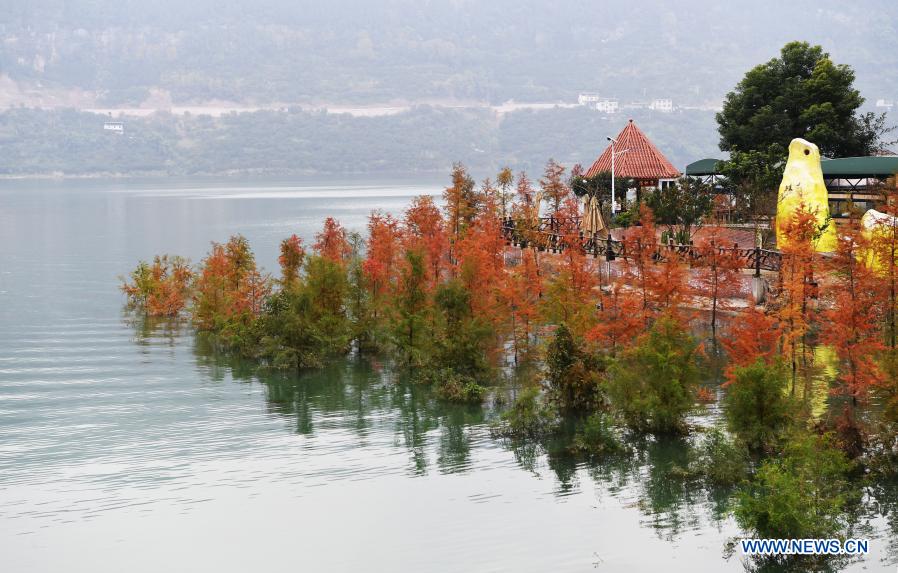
423, 139
123, 51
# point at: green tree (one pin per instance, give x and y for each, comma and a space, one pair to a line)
653, 383
599, 186
465, 339
757, 404
801, 494
802, 93
681, 207
302, 325
753, 178
409, 326
574, 376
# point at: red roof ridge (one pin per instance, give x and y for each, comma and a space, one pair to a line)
642, 159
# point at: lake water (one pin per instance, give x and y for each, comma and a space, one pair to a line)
127, 446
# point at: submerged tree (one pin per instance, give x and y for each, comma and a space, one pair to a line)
521, 291
380, 273
801, 494
718, 275
653, 383
852, 324
332, 242
424, 232
758, 409
754, 335
798, 287
574, 375
569, 293
409, 329
461, 203
229, 290
291, 259
161, 288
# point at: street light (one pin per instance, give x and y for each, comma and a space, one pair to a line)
613, 154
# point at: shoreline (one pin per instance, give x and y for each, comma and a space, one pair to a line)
218, 174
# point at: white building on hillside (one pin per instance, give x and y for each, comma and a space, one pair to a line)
662, 104
114, 127
598, 103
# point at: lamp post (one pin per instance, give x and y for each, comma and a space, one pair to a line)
613, 154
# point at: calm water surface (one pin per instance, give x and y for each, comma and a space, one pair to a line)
128, 446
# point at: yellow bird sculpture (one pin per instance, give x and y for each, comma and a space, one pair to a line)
875, 227
803, 184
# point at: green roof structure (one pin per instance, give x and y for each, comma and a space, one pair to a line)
844, 167
703, 167
874, 166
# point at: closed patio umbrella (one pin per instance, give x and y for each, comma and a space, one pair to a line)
592, 222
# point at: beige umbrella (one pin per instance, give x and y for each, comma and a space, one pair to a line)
592, 222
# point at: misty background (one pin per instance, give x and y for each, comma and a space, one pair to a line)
278, 86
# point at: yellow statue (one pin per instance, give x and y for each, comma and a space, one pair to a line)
803, 183
876, 225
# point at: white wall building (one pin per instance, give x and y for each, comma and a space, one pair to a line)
598, 103
114, 127
607, 105
588, 98
662, 104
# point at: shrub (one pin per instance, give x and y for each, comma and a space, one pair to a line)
801, 494
757, 405
464, 340
574, 376
720, 460
455, 387
528, 416
596, 435
653, 383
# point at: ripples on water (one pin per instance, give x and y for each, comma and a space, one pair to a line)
130, 445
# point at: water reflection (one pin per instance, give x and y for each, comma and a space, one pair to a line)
361, 401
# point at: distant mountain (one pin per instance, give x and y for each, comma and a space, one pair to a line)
423, 139
122, 52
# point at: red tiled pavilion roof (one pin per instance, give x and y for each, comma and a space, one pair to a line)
642, 161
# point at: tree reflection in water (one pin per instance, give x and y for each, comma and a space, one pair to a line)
370, 399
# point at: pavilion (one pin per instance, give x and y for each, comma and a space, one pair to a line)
849, 180
638, 159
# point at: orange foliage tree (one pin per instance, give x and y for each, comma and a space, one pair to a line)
332, 242
525, 211
852, 323
290, 259
797, 286
424, 232
554, 188
883, 249
719, 272
481, 263
657, 273
229, 289
504, 180
160, 288
381, 261
521, 291
570, 296
620, 318
461, 201
754, 335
